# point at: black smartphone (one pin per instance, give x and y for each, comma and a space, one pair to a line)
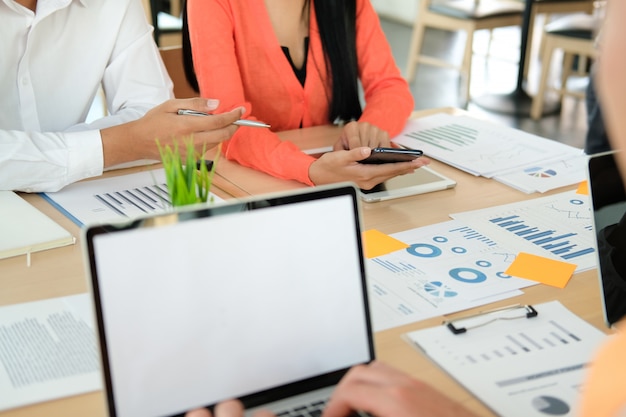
386, 155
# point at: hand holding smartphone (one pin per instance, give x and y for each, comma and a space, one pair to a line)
388, 155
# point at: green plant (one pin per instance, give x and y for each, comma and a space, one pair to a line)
186, 182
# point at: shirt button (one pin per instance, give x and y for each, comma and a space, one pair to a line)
25, 80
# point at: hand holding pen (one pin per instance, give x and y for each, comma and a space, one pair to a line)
240, 122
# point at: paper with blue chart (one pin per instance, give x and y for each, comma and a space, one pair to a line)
447, 267
459, 264
115, 198
491, 150
558, 227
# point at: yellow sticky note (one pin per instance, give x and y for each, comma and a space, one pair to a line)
377, 243
540, 269
583, 188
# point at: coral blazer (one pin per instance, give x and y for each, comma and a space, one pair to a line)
239, 61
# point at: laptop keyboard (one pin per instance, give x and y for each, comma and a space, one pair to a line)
314, 409
309, 410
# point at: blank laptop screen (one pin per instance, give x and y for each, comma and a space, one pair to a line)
196, 309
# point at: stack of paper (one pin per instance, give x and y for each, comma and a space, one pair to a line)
24, 229
521, 160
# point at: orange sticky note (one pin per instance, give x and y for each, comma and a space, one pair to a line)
583, 188
540, 269
377, 243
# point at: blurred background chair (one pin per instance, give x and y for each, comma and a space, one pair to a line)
165, 17
574, 36
547, 9
459, 15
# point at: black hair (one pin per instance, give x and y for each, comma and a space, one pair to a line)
190, 72
336, 20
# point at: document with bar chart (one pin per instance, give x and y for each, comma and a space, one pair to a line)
477, 146
520, 367
558, 227
114, 198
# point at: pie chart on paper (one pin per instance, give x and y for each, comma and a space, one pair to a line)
551, 406
540, 172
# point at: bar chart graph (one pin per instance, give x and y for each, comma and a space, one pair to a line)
551, 240
557, 227
140, 200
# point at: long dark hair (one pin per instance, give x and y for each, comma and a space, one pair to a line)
190, 72
336, 20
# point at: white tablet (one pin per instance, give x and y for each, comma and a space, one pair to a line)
423, 180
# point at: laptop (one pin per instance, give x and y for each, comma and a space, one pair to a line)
262, 299
608, 201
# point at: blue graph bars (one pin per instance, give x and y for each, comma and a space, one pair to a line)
550, 240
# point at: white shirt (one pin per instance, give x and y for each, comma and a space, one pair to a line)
52, 63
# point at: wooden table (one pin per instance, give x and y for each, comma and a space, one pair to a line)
60, 271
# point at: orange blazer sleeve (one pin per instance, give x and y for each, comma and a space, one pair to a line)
234, 64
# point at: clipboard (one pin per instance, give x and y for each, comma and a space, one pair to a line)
522, 366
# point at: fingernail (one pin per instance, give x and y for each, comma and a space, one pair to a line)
212, 103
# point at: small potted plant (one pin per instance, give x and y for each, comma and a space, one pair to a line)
188, 178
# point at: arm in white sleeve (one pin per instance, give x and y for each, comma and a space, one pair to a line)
56, 147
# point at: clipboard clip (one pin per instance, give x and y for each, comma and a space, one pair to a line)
512, 312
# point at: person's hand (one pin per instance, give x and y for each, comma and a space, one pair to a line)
230, 408
383, 391
137, 140
357, 134
341, 166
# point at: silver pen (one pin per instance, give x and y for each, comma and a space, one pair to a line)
240, 122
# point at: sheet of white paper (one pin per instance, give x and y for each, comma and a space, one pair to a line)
448, 267
477, 146
558, 227
519, 368
47, 351
115, 198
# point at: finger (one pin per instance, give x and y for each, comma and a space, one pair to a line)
230, 408
201, 412
360, 396
197, 104
358, 154
375, 373
352, 136
264, 413
213, 137
214, 121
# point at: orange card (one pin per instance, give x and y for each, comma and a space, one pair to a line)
540, 269
583, 188
377, 243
